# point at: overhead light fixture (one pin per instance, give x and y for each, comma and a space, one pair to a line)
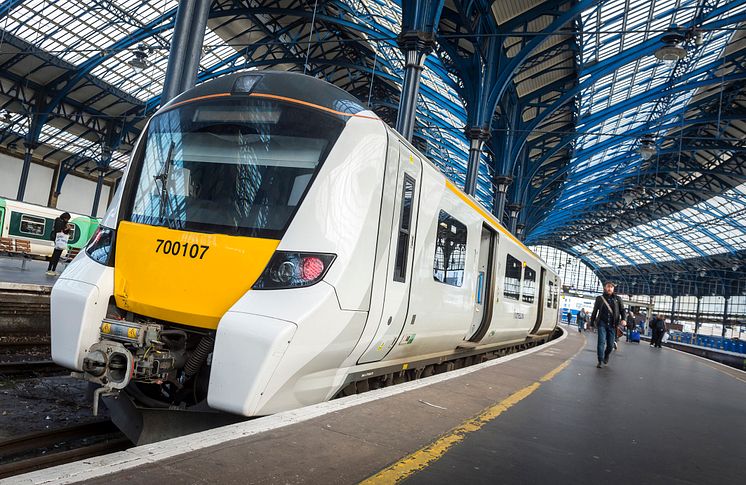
139, 60
734, 267
647, 147
673, 49
654, 280
676, 277
703, 273
614, 223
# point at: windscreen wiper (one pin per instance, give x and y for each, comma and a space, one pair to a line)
163, 178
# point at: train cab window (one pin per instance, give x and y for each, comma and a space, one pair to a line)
450, 250
529, 285
240, 166
405, 223
32, 225
512, 286
550, 294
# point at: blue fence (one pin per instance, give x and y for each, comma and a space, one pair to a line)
711, 342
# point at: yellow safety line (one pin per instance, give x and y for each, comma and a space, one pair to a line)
425, 456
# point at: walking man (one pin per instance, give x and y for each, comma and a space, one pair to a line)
608, 313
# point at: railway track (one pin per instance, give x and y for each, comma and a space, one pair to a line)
60, 446
30, 367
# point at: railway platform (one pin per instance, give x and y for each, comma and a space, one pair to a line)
12, 270
545, 415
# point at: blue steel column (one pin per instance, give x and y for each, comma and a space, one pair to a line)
415, 51
27, 156
186, 47
514, 210
476, 137
31, 141
417, 38
725, 314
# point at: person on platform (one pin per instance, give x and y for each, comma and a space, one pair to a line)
581, 319
658, 325
60, 227
608, 313
630, 326
569, 317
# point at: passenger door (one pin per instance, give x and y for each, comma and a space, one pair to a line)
484, 291
400, 258
540, 301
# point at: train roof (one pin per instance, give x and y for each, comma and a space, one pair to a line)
283, 84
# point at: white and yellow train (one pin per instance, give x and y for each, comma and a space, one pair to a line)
275, 243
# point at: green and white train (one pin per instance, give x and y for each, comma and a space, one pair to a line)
34, 223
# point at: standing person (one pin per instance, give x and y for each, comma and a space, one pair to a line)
582, 317
569, 317
658, 331
630, 325
608, 312
60, 226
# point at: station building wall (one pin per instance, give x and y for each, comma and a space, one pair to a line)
77, 193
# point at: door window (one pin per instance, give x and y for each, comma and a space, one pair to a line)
405, 223
512, 286
450, 250
529, 285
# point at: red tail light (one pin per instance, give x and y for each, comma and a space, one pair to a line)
293, 270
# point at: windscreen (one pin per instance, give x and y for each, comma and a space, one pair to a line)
237, 165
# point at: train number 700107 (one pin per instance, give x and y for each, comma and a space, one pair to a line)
176, 248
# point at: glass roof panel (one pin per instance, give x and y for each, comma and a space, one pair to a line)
676, 236
76, 30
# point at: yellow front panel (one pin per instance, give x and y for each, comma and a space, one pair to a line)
185, 277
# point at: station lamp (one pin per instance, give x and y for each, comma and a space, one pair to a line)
647, 147
139, 60
673, 49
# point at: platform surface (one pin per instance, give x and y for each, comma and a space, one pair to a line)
34, 273
651, 416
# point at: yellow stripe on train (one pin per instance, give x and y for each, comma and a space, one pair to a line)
185, 277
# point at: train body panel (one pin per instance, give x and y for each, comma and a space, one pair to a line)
403, 266
78, 304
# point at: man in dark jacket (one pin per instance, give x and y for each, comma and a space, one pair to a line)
608, 312
658, 325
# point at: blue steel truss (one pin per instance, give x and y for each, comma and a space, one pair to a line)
562, 108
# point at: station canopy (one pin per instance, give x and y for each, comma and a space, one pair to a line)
632, 163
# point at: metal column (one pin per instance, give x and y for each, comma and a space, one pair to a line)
29, 153
514, 210
698, 315
96, 197
186, 47
501, 192
476, 137
673, 308
725, 314
415, 52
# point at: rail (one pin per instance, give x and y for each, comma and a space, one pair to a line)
60, 446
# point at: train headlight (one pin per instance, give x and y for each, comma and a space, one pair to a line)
293, 270
101, 246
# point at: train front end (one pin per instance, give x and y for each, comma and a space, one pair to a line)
160, 307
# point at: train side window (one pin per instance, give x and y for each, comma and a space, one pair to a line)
512, 287
450, 250
529, 285
555, 296
405, 223
550, 294
32, 225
